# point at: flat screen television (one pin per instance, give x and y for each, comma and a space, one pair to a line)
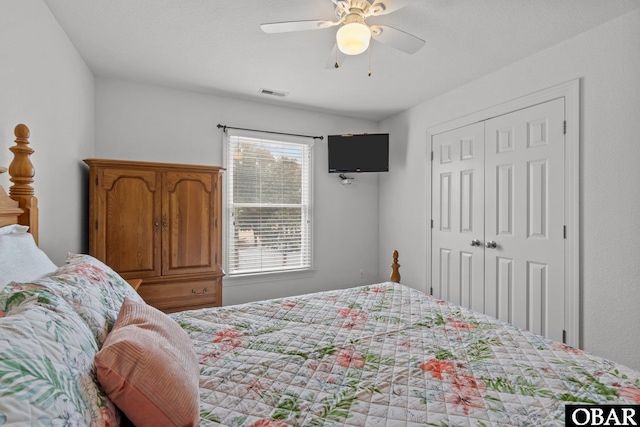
368, 152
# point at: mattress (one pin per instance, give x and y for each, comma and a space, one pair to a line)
387, 355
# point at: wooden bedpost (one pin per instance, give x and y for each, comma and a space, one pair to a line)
22, 172
395, 267
9, 210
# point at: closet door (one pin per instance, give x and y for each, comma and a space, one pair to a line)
457, 272
524, 218
499, 184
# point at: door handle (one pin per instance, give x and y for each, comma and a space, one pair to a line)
491, 244
475, 242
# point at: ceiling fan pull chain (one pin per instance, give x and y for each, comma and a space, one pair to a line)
369, 60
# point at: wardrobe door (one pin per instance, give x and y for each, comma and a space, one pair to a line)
524, 218
126, 214
189, 221
457, 273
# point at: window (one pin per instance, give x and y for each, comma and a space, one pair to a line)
268, 203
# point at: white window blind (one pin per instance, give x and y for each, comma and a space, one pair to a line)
268, 204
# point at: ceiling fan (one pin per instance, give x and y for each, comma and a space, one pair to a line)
354, 35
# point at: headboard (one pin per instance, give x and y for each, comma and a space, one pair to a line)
20, 206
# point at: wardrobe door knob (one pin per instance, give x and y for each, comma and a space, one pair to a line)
491, 244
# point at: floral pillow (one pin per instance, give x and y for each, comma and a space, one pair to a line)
47, 370
92, 289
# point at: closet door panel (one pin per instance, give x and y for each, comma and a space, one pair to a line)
458, 220
500, 303
524, 162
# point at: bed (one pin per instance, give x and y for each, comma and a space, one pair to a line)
79, 347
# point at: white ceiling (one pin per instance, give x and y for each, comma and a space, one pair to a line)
217, 46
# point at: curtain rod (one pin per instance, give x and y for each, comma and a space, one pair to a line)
225, 127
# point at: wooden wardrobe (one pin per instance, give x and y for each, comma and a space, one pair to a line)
162, 223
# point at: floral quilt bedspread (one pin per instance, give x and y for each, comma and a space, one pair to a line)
387, 355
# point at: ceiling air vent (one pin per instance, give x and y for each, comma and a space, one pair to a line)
273, 93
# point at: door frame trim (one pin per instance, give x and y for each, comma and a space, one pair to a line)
570, 91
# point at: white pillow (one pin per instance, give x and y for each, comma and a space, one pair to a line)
13, 229
20, 258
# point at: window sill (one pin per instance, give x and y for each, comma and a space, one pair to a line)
276, 276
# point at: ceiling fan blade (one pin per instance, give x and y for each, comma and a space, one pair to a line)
341, 5
385, 7
286, 27
396, 38
335, 57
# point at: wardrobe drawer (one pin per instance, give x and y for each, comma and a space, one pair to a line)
179, 295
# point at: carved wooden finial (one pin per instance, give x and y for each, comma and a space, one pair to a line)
21, 169
22, 172
395, 267
22, 131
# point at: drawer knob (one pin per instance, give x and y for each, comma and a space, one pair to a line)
199, 292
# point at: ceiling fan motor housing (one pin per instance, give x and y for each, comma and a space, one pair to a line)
346, 9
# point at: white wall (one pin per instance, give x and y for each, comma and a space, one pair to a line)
143, 122
606, 60
45, 84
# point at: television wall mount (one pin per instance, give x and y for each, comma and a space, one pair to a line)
345, 180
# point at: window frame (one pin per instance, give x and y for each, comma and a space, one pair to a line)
269, 275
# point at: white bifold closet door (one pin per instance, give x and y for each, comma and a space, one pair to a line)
457, 264
498, 217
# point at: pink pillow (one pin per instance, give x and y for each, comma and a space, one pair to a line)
148, 368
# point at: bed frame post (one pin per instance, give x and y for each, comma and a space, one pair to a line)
9, 210
395, 267
21, 171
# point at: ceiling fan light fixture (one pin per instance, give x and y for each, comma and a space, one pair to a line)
353, 38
